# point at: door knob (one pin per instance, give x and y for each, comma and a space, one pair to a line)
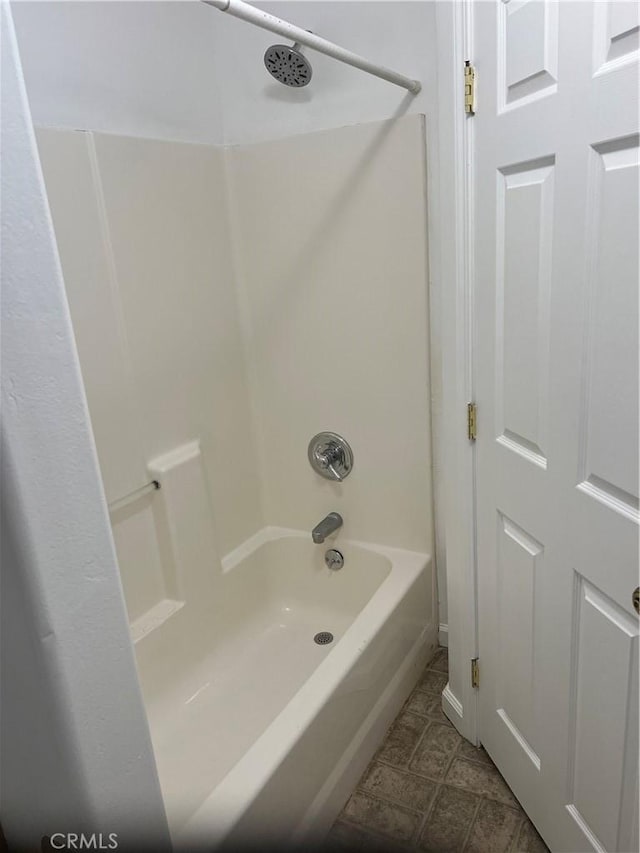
636, 599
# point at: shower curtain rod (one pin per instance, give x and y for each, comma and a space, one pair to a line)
249, 13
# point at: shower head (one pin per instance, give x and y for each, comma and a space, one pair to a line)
288, 65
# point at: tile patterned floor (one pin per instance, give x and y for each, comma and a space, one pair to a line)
428, 789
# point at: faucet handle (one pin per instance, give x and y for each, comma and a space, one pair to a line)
331, 460
335, 474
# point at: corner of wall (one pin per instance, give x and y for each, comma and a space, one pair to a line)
60, 557
230, 154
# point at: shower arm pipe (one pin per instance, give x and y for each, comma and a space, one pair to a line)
249, 13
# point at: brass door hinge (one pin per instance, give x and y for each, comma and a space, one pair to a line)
472, 421
475, 673
469, 88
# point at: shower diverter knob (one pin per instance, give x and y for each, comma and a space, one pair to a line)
330, 456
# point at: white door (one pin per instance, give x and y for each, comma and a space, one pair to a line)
556, 248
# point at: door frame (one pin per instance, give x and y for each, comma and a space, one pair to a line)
453, 337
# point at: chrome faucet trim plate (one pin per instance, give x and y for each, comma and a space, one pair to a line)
330, 456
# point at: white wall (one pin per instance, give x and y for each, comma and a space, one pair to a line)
133, 68
398, 34
331, 231
185, 71
76, 751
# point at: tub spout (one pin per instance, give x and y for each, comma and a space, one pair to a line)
327, 526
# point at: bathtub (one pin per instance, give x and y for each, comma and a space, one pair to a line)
259, 732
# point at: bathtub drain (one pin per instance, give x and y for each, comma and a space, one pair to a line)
323, 638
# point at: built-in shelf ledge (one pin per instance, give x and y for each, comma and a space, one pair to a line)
153, 618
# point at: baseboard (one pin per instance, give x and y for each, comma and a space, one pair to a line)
330, 800
452, 706
443, 635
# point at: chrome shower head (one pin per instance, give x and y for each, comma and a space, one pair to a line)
288, 65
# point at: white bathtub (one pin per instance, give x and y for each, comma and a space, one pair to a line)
260, 733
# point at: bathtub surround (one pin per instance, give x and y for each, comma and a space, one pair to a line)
156, 90
143, 239
199, 316
332, 265
229, 304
